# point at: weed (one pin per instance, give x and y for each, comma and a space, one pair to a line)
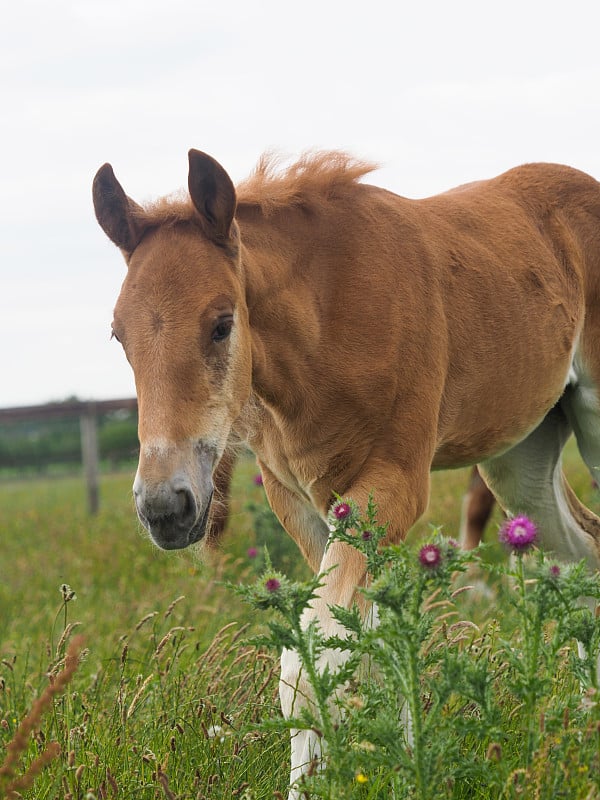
445, 707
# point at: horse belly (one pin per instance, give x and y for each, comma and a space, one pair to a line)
501, 388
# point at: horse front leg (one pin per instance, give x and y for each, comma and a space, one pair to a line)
310, 532
400, 503
296, 690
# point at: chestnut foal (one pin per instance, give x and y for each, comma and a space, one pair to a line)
356, 340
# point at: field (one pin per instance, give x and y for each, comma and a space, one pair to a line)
170, 697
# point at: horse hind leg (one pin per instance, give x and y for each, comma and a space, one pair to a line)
581, 404
528, 479
478, 504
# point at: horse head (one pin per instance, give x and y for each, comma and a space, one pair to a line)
182, 320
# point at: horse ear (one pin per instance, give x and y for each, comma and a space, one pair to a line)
213, 195
115, 211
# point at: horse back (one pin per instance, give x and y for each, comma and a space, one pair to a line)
502, 277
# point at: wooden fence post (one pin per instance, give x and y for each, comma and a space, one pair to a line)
88, 424
89, 452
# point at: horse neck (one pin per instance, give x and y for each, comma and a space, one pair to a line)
278, 259
273, 249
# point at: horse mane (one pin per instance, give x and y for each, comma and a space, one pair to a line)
310, 181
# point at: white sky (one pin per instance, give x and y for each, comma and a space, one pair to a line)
439, 93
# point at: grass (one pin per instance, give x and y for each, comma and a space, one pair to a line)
168, 699
159, 671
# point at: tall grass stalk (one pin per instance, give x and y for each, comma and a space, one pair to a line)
11, 783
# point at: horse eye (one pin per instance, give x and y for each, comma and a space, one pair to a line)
222, 329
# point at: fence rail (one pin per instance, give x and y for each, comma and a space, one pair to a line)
88, 412
65, 410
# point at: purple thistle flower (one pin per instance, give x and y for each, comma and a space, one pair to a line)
554, 571
258, 479
430, 556
252, 552
341, 510
518, 533
272, 584
367, 536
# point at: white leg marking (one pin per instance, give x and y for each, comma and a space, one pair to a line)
295, 692
307, 747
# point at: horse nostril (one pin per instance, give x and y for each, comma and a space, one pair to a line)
185, 503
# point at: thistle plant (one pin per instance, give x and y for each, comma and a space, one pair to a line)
550, 601
419, 707
412, 592
418, 650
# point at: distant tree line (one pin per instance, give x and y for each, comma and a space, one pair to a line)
34, 445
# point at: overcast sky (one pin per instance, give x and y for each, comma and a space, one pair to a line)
438, 93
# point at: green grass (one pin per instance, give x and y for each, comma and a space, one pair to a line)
120, 579
167, 707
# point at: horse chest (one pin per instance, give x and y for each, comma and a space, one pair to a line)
266, 439
295, 474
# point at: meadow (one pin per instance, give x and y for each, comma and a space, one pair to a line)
171, 696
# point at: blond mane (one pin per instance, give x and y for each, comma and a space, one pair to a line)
310, 181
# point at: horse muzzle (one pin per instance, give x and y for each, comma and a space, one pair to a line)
173, 510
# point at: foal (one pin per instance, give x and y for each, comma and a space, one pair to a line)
356, 340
